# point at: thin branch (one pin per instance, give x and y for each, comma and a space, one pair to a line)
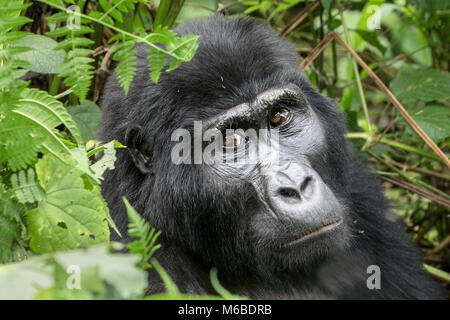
421, 192
410, 120
357, 77
298, 19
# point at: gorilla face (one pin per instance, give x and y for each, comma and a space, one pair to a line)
258, 195
297, 213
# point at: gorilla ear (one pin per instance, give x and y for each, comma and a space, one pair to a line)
133, 141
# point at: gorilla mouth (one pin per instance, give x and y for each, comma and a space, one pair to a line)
321, 230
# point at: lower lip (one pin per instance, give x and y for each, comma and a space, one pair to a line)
322, 230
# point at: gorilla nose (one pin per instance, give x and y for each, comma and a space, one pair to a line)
296, 192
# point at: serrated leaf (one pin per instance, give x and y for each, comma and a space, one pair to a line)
77, 41
43, 58
64, 31
434, 119
146, 236
12, 227
184, 47
25, 186
7, 22
35, 101
108, 8
422, 84
74, 215
28, 126
156, 62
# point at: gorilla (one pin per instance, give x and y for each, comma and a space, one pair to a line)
304, 220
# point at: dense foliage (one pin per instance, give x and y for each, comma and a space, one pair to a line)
54, 56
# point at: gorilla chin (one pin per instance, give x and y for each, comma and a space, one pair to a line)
304, 245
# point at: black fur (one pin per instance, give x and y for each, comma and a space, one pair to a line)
205, 222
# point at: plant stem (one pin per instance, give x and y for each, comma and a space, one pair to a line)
55, 81
358, 79
131, 35
406, 177
392, 143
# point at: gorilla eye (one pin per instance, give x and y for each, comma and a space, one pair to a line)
279, 116
232, 140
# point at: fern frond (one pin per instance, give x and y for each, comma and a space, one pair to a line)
12, 227
78, 72
25, 186
29, 125
156, 62
145, 235
125, 53
78, 69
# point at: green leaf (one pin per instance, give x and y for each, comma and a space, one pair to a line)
125, 53
326, 4
156, 62
78, 71
87, 117
28, 126
71, 213
25, 187
371, 37
43, 58
422, 84
107, 7
145, 236
106, 161
103, 275
7, 22
12, 228
184, 47
434, 119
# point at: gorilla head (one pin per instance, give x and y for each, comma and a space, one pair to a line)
297, 209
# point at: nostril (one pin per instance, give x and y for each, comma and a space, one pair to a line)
287, 192
305, 184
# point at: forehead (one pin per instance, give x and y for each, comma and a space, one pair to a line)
235, 62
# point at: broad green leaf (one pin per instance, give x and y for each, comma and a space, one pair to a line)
74, 215
87, 117
434, 119
43, 58
422, 84
103, 275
